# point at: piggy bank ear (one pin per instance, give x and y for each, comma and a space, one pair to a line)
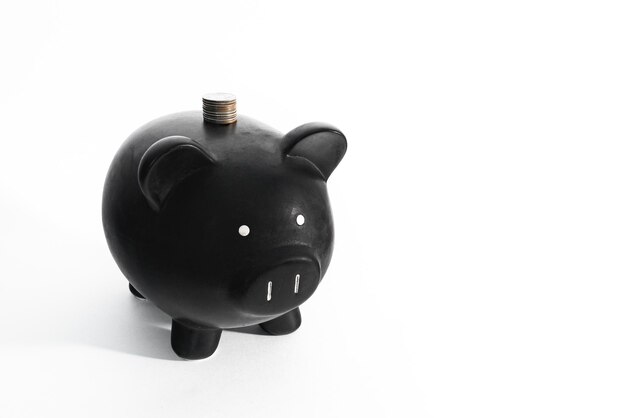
320, 143
166, 163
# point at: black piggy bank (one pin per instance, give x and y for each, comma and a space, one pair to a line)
222, 225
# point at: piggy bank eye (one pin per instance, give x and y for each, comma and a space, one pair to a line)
244, 230
300, 219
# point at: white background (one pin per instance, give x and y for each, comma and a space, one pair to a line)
479, 267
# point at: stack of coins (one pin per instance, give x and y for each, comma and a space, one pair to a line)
219, 108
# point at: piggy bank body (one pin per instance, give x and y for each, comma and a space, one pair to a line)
222, 226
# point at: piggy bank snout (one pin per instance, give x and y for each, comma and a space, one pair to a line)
281, 287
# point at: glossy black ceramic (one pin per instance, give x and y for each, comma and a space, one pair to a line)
222, 226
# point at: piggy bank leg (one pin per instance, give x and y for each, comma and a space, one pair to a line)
284, 324
135, 292
193, 343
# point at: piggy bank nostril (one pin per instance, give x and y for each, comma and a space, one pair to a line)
296, 284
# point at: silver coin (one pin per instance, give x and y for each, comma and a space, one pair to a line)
219, 97
212, 106
213, 116
213, 110
219, 102
220, 114
219, 109
206, 105
221, 122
